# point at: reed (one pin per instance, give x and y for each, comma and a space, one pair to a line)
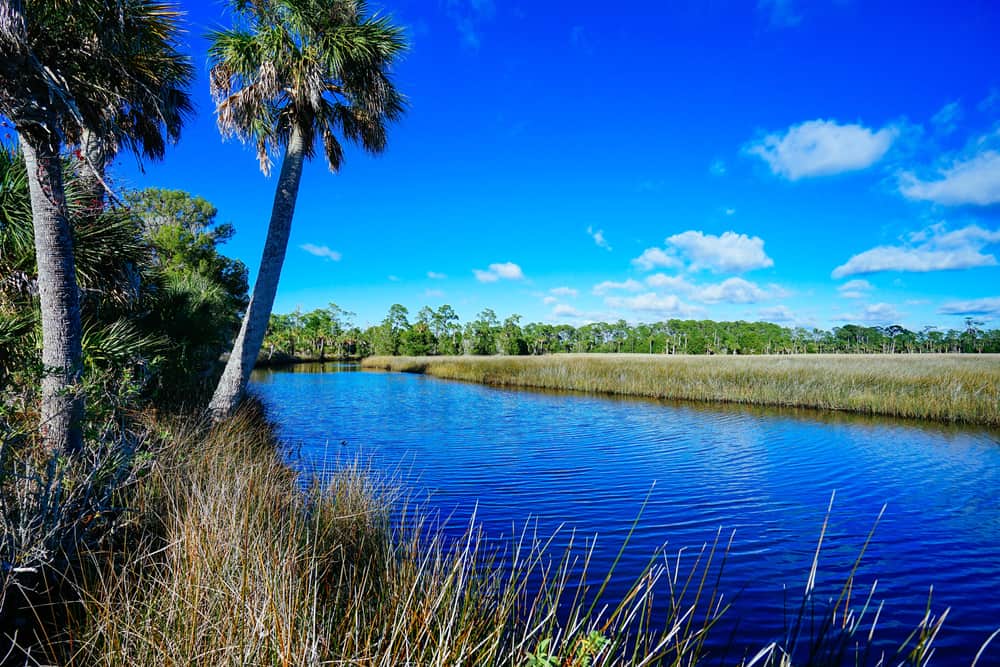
227, 560
949, 388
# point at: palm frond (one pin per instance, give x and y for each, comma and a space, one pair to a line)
319, 66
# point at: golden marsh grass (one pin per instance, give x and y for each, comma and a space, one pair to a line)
945, 387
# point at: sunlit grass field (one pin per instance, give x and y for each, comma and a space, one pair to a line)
945, 387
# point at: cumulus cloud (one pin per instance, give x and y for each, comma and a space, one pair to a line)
776, 314
652, 258
564, 310
987, 306
321, 251
821, 148
549, 300
629, 286
662, 306
503, 271
677, 283
855, 289
434, 275
598, 237
732, 290
876, 313
974, 181
563, 291
717, 168
728, 253
933, 249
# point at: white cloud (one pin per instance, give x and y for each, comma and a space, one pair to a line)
668, 305
732, 290
717, 168
730, 211
776, 314
821, 148
855, 289
729, 253
564, 310
652, 258
946, 119
563, 291
677, 283
503, 271
434, 294
394, 279
434, 275
598, 237
930, 250
877, 313
549, 300
321, 251
972, 181
987, 306
629, 286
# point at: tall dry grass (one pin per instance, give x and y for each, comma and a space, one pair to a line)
236, 565
953, 388
225, 560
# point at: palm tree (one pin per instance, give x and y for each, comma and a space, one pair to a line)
66, 67
292, 75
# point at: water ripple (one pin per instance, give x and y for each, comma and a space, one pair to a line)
590, 464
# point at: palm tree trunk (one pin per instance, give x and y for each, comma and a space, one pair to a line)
93, 161
234, 379
62, 397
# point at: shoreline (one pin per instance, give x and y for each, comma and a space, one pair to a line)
962, 389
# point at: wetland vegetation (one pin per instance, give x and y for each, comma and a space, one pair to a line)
957, 388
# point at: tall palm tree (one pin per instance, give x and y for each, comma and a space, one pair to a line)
110, 67
292, 75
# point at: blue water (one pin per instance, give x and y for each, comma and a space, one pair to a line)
587, 463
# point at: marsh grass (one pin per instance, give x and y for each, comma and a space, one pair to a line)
224, 560
950, 388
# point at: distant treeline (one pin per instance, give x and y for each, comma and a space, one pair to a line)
330, 332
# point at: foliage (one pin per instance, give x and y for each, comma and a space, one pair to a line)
197, 295
318, 334
486, 335
320, 67
160, 303
110, 67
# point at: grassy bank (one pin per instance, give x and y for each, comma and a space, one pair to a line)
222, 559
953, 388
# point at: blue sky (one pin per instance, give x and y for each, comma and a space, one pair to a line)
802, 163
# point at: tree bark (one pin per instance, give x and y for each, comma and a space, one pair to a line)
93, 161
241, 361
62, 395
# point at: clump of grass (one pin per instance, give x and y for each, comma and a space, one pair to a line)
950, 388
247, 569
244, 568
223, 559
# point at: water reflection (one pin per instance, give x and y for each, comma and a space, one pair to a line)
588, 462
